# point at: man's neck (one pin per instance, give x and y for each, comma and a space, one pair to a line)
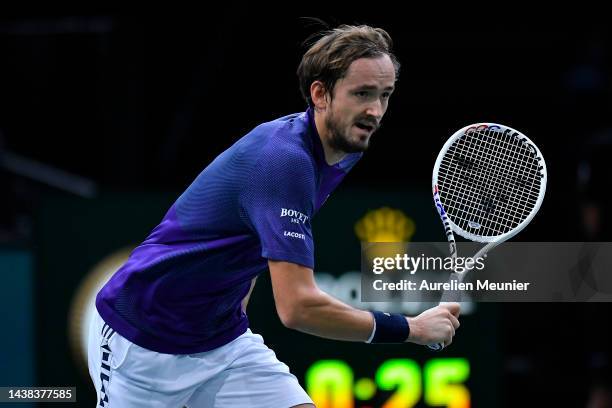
332, 156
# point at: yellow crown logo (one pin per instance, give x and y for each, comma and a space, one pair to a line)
385, 225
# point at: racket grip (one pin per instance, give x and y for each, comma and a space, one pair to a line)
435, 347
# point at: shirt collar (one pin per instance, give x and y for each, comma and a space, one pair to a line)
317, 146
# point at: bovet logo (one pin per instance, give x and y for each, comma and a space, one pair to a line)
296, 216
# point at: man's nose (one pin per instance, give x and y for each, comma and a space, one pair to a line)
375, 109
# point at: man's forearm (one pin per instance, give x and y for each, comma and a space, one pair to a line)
322, 315
302, 306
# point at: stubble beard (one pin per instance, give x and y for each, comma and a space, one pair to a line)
339, 140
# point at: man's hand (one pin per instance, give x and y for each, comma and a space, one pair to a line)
435, 325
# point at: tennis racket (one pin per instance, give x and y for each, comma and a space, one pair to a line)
488, 183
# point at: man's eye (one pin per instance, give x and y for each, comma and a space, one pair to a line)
361, 94
386, 95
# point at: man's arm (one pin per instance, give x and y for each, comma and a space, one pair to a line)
302, 306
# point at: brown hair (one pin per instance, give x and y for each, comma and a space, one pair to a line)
328, 59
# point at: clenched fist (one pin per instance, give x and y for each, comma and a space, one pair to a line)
435, 325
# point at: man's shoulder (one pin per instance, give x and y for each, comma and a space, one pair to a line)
284, 126
287, 139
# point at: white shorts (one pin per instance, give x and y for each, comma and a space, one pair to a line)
243, 373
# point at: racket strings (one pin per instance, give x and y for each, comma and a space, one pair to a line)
508, 181
491, 177
501, 176
489, 182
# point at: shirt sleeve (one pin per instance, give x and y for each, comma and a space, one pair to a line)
278, 203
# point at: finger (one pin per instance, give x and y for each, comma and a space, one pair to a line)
452, 307
455, 322
448, 342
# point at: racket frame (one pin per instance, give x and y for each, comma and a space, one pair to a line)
450, 227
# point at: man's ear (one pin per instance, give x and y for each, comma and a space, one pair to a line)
319, 95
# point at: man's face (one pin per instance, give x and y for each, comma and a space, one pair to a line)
359, 102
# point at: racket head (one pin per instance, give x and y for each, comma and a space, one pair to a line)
488, 181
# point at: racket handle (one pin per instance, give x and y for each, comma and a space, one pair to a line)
435, 347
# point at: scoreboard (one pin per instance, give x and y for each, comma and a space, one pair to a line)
395, 383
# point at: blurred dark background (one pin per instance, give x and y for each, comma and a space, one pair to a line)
124, 111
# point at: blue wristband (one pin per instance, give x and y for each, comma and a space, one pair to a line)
390, 328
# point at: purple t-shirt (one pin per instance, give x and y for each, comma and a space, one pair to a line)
181, 290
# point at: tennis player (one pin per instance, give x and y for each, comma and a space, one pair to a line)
172, 328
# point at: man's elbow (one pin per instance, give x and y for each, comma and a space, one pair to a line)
297, 311
292, 316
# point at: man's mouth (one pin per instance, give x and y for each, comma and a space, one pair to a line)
366, 126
